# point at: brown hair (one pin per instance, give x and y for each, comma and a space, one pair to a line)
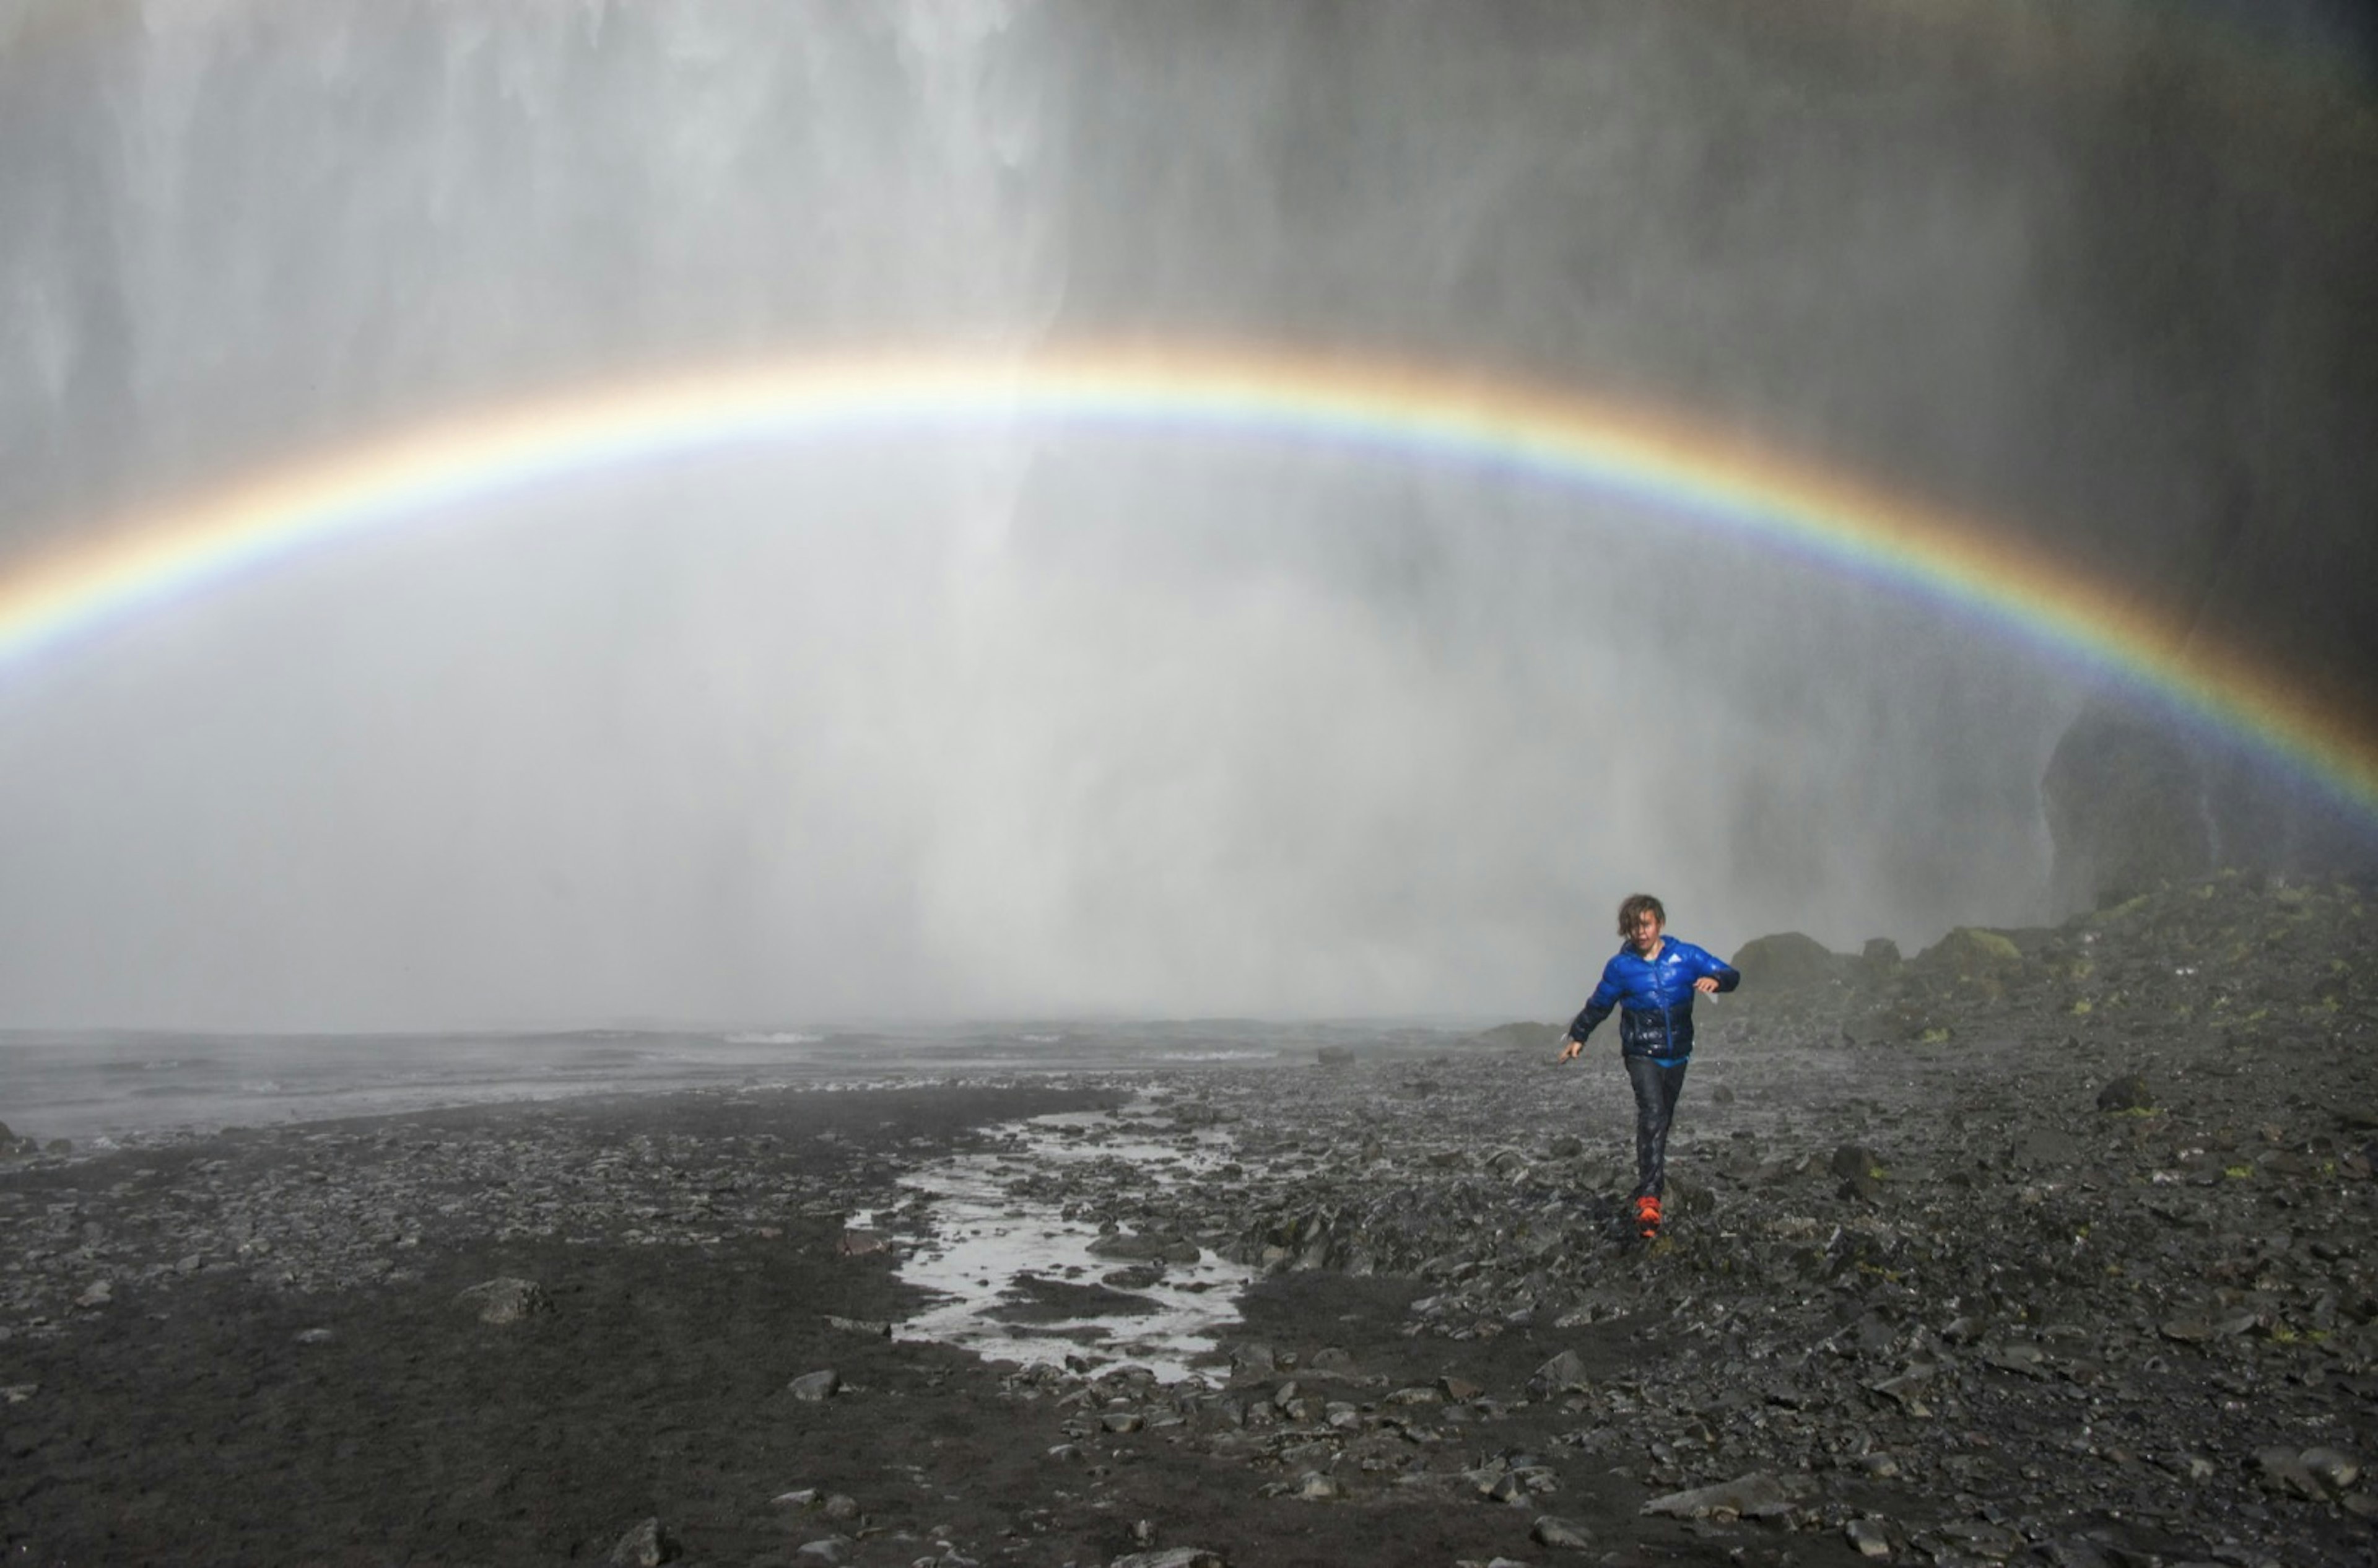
1638, 904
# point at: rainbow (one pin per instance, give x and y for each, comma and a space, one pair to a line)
1396, 412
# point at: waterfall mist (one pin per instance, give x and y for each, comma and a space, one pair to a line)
1013, 720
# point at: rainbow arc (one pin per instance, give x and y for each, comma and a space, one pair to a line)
1393, 412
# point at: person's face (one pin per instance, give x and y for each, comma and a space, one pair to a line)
1645, 933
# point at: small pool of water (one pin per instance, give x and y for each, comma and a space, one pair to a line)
1017, 1280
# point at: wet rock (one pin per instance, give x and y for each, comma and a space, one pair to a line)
646, 1545
506, 1299
1868, 1537
1564, 1534
2332, 1468
1562, 1373
1789, 961
1851, 1161
815, 1388
826, 1549
861, 1243
1971, 956
2130, 1092
1171, 1557
1754, 1496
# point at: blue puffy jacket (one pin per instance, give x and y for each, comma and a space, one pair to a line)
1654, 997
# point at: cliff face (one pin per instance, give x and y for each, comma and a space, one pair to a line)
2133, 803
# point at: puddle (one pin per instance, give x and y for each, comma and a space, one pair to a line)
1017, 1279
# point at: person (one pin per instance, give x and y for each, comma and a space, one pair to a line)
1652, 980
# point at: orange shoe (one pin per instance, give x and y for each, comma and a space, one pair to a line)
1647, 1217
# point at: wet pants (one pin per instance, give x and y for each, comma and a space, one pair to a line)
1656, 1088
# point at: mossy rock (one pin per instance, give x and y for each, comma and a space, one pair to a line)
1789, 961
1971, 953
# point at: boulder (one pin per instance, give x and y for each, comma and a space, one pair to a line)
1971, 955
2130, 1092
1789, 961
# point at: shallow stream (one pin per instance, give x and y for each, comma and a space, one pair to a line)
1015, 1276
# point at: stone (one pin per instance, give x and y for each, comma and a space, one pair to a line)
1789, 961
2334, 1468
1868, 1537
815, 1388
1171, 1557
1754, 1496
1567, 1533
506, 1299
2130, 1092
1562, 1373
1970, 955
825, 1548
1852, 1162
645, 1545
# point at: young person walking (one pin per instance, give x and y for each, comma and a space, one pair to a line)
1652, 981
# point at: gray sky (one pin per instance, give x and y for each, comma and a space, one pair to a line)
1024, 724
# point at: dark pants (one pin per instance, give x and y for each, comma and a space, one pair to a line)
1656, 1089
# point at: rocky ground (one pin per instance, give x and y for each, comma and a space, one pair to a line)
2040, 1246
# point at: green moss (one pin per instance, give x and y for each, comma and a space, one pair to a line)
2238, 1172
1997, 946
2082, 1004
1935, 1035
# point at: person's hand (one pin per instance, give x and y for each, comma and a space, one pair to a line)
1568, 1052
1706, 985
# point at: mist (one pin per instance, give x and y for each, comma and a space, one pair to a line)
1019, 721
